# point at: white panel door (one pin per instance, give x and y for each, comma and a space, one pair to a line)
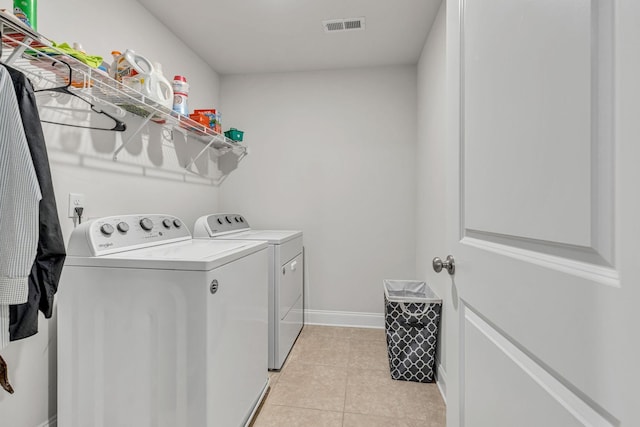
544, 212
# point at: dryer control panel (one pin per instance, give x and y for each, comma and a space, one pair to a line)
220, 224
119, 233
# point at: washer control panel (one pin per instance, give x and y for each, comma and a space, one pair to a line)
118, 233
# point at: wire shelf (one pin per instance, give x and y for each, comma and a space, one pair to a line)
48, 67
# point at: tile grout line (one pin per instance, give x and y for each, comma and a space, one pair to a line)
346, 386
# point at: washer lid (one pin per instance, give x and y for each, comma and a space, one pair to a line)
274, 237
196, 254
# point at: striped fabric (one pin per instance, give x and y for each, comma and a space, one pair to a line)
19, 199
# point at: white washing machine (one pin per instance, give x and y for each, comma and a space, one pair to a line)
158, 329
286, 281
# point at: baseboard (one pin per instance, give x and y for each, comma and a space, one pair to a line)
441, 381
344, 318
52, 422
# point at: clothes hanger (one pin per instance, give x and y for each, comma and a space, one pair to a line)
4, 377
118, 126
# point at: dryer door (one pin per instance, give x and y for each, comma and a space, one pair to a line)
289, 304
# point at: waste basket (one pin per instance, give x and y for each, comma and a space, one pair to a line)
412, 317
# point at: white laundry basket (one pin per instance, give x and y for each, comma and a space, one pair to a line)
412, 317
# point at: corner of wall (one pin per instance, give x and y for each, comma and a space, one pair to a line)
441, 382
51, 422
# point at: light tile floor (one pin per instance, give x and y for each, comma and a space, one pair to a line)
339, 377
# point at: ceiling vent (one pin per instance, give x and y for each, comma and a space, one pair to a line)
339, 25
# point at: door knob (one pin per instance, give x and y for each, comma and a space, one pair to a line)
449, 264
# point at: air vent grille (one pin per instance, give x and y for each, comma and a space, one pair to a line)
352, 25
335, 26
340, 25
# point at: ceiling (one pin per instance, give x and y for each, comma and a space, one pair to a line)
250, 36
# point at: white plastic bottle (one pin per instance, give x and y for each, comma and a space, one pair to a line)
157, 87
113, 69
180, 95
129, 64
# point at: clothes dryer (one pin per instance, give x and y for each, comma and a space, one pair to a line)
286, 276
158, 329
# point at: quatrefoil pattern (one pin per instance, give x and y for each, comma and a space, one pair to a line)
411, 340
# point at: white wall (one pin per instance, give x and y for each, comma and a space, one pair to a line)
332, 154
147, 178
431, 239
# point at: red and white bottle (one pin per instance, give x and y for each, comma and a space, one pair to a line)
180, 95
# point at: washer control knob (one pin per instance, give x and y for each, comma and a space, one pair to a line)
227, 219
166, 223
123, 227
107, 229
177, 223
146, 224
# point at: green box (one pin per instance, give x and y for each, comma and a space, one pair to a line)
234, 134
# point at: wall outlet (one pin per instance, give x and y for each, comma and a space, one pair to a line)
76, 200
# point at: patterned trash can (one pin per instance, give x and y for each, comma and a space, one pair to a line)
412, 318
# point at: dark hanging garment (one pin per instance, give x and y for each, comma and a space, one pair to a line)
46, 270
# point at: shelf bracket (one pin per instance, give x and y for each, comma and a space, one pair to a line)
18, 51
191, 163
128, 140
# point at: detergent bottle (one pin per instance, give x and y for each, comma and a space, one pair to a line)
129, 64
114, 72
138, 73
27, 12
158, 88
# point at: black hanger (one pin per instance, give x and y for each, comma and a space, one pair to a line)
119, 126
